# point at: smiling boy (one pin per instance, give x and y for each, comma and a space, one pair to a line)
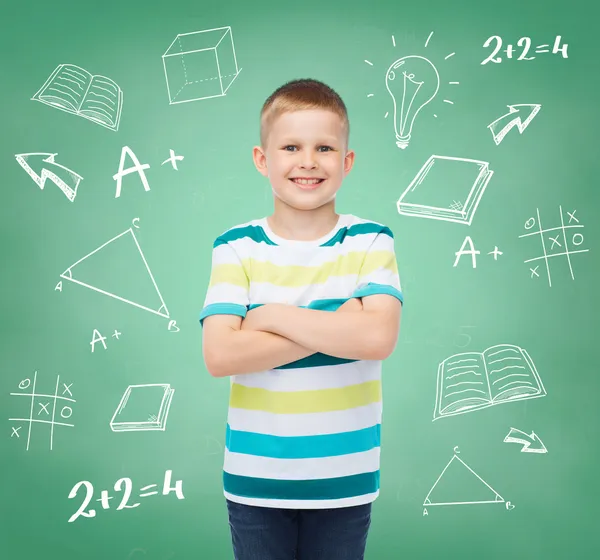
301, 309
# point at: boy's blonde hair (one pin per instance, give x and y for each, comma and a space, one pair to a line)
298, 95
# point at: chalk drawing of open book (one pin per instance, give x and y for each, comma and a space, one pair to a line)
474, 380
74, 90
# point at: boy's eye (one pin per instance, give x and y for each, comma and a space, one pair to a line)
292, 146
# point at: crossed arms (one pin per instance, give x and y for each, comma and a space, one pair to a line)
275, 334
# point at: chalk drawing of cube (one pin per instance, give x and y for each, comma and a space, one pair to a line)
200, 65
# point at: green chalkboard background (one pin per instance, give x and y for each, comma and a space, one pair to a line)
551, 168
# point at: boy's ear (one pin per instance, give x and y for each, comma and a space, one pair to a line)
348, 161
260, 160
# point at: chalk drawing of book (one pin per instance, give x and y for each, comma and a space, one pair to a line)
119, 269
459, 484
446, 188
473, 380
143, 408
74, 90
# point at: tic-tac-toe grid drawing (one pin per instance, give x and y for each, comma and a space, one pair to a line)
563, 241
44, 410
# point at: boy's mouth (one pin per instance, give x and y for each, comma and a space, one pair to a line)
306, 183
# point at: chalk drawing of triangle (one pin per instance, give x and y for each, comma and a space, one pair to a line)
460, 484
119, 269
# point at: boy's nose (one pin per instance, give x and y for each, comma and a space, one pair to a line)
308, 162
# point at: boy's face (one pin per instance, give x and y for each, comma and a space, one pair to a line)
305, 144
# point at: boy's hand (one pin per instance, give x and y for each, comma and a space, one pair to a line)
252, 320
353, 304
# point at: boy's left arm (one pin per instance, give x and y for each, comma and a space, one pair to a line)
369, 334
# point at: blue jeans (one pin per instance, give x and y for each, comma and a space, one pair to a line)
263, 533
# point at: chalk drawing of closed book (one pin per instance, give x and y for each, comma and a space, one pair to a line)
74, 90
142, 408
474, 380
446, 188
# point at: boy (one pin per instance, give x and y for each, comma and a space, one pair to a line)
301, 308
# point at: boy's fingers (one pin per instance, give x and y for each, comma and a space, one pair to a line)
351, 304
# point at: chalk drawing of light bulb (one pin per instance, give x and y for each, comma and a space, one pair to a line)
413, 81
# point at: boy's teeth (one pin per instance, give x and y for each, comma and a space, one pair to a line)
307, 181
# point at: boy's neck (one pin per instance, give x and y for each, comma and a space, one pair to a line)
303, 225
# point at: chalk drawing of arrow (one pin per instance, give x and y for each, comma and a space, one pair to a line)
41, 166
518, 115
531, 442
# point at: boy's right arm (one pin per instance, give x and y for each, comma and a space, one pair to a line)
229, 350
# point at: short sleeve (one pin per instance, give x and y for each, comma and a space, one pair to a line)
228, 288
379, 270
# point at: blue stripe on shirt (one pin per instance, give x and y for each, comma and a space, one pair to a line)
313, 489
303, 447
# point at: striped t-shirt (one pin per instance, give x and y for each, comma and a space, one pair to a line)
306, 434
